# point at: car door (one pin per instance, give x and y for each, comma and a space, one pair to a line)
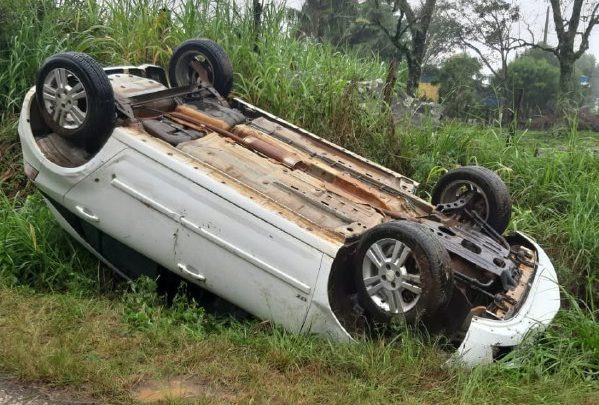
250, 262
126, 199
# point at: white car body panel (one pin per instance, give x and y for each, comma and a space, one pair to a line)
537, 311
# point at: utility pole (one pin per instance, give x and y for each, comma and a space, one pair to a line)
546, 27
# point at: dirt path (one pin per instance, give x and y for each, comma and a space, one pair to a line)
14, 393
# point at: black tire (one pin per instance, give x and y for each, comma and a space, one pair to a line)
97, 102
212, 58
428, 258
495, 205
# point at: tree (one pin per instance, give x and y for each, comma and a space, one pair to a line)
538, 80
370, 26
537, 53
485, 27
409, 34
367, 36
328, 20
586, 65
569, 32
441, 41
460, 79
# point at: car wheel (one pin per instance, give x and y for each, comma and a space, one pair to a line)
201, 59
401, 272
75, 97
492, 200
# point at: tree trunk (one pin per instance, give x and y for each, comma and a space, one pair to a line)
415, 62
257, 12
567, 96
390, 82
414, 71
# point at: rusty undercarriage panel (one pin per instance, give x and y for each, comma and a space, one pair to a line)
299, 191
325, 186
293, 189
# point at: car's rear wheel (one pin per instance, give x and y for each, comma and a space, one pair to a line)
401, 272
75, 97
491, 198
201, 60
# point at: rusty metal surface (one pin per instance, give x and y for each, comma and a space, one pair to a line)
295, 190
334, 157
516, 295
299, 179
128, 88
185, 155
60, 151
199, 115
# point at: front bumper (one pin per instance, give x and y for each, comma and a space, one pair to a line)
537, 311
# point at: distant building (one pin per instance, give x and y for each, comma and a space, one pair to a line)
428, 88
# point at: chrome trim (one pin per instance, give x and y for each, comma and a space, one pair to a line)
246, 256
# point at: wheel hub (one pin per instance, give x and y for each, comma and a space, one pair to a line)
65, 98
65, 101
460, 188
193, 66
391, 276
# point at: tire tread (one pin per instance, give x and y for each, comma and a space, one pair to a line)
500, 209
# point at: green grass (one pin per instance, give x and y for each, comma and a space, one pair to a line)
100, 347
65, 321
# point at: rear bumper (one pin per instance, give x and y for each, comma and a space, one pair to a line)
538, 310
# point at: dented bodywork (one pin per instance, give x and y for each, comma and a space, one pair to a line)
186, 152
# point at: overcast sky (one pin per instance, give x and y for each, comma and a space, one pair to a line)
533, 13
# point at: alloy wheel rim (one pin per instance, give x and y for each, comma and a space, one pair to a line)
391, 276
65, 98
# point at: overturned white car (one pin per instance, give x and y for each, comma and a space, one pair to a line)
280, 222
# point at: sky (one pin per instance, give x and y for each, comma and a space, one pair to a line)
533, 13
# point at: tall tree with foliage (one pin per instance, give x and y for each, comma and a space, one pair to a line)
485, 27
573, 30
409, 34
460, 79
538, 80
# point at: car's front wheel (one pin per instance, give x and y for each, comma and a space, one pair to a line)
75, 97
401, 272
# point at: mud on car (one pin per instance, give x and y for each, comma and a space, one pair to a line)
156, 169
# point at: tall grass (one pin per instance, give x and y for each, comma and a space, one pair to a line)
556, 195
35, 253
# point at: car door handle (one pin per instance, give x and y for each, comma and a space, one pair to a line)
87, 213
191, 271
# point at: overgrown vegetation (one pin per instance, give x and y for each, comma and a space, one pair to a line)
65, 321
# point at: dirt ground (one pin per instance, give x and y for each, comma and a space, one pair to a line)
13, 392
